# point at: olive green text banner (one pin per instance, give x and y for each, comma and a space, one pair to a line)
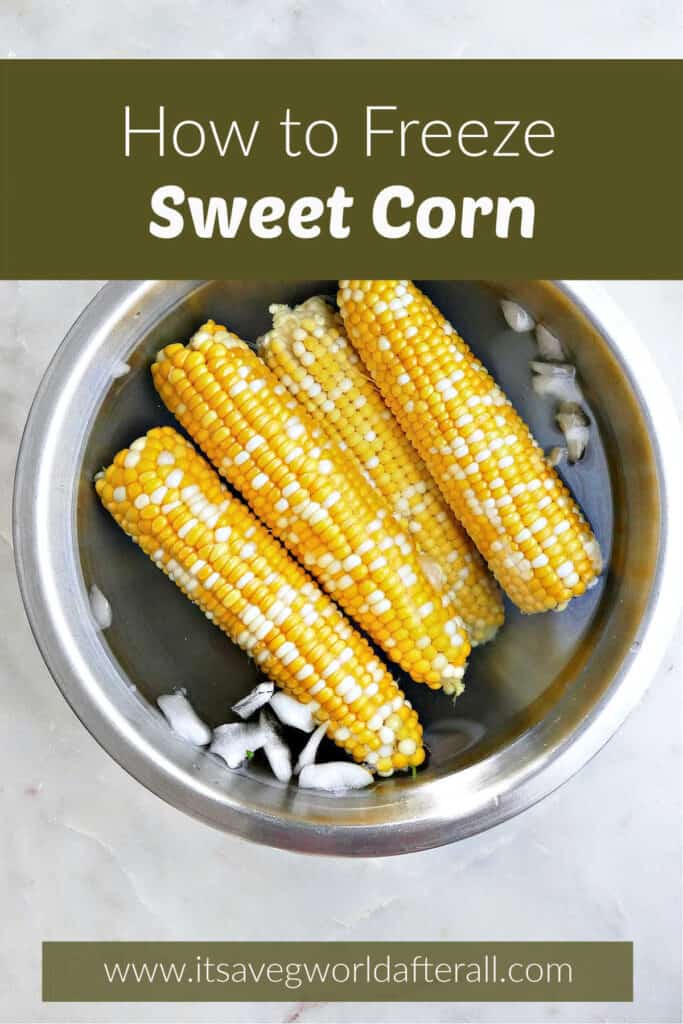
295, 169
337, 971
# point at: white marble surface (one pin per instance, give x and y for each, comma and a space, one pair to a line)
87, 853
346, 28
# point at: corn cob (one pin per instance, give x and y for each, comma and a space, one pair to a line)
480, 452
173, 504
313, 498
309, 353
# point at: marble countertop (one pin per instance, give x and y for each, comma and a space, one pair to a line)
87, 853
347, 28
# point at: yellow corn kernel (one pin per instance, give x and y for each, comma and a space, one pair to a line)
312, 496
267, 604
308, 351
490, 469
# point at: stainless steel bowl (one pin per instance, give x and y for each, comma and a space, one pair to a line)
540, 701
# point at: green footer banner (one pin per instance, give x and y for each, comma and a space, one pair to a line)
338, 971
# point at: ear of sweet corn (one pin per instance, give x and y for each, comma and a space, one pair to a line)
480, 452
312, 496
172, 503
308, 351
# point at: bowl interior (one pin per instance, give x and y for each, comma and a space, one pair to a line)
540, 668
